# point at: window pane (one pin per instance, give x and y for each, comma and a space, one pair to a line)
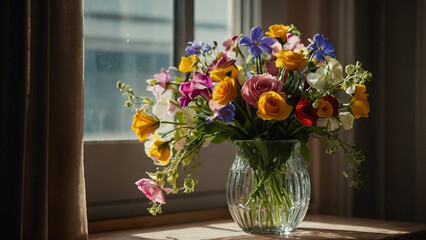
211, 20
126, 40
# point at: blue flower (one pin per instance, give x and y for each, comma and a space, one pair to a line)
227, 113
195, 48
258, 43
322, 47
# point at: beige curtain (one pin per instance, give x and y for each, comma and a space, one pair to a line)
388, 36
42, 119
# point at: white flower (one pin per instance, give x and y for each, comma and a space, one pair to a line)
330, 74
334, 72
347, 120
316, 79
164, 110
330, 123
349, 87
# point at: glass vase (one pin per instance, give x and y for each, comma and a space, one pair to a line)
268, 188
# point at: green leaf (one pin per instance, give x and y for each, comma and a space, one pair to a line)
316, 130
220, 138
306, 154
302, 136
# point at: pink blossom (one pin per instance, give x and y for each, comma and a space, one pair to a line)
201, 84
230, 51
271, 67
293, 42
258, 84
161, 86
222, 62
152, 190
276, 48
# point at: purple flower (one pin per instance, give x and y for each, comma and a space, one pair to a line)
227, 113
258, 43
321, 47
195, 48
201, 84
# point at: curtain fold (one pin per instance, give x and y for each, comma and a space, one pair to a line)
388, 37
48, 136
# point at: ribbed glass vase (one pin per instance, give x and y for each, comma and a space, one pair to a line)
268, 188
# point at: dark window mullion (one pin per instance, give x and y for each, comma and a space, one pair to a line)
183, 27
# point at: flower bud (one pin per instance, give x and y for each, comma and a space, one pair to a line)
349, 69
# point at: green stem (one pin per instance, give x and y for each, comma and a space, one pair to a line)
175, 123
258, 186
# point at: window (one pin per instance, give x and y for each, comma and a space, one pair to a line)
130, 40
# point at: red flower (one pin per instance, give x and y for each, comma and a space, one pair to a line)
305, 113
334, 103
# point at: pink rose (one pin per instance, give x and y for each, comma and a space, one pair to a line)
258, 84
152, 190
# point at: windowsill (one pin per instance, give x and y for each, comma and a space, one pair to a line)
313, 227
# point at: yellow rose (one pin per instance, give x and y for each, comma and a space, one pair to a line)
278, 30
160, 150
273, 106
225, 91
291, 60
324, 109
219, 74
359, 103
143, 125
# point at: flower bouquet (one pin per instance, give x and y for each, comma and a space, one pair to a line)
264, 88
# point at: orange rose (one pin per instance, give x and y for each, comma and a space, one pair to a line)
143, 125
225, 91
324, 109
291, 60
273, 106
278, 31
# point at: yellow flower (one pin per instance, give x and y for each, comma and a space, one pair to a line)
360, 90
278, 30
219, 74
291, 60
273, 106
143, 125
360, 106
186, 63
324, 109
225, 91
160, 150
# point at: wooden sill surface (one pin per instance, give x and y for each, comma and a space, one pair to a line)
313, 227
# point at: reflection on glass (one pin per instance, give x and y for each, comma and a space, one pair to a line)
210, 18
127, 40
130, 41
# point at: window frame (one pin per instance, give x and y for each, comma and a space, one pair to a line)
101, 157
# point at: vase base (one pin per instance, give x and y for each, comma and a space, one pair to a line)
285, 231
